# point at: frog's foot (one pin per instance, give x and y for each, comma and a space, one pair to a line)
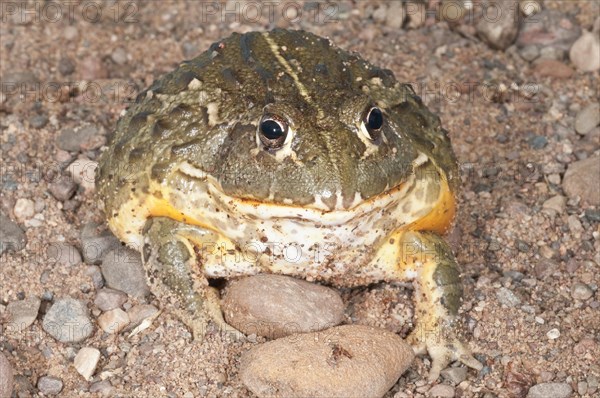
175, 277
198, 321
443, 348
438, 296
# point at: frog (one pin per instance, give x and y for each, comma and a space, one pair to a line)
279, 152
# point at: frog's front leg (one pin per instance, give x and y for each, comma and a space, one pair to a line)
428, 260
176, 276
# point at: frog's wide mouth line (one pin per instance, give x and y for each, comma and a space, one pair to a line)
405, 203
316, 211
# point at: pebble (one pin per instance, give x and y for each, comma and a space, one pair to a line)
113, 321
23, 312
104, 388
395, 15
552, 68
123, 270
538, 142
38, 121
580, 177
556, 203
546, 390
275, 306
95, 274
63, 254
442, 391
138, 313
507, 297
68, 321
12, 237
587, 118
574, 224
86, 361
581, 291
592, 214
344, 361
6, 377
529, 53
119, 56
553, 334
593, 383
582, 387
499, 31
83, 171
454, 375
96, 241
63, 188
585, 52
49, 385
66, 66
23, 209
83, 138
585, 345
108, 299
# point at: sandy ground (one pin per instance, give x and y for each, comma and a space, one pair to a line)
520, 263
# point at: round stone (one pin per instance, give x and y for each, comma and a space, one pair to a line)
49, 385
581, 291
587, 118
585, 52
554, 390
123, 270
108, 299
68, 321
580, 177
23, 313
276, 306
344, 361
12, 236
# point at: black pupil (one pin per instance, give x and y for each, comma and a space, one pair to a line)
375, 119
271, 129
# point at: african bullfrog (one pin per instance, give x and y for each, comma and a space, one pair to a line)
277, 152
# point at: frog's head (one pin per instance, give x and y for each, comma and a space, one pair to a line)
321, 128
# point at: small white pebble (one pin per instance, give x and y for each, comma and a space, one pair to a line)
540, 320
113, 321
86, 361
553, 334
24, 209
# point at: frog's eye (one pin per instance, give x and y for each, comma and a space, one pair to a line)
372, 123
272, 131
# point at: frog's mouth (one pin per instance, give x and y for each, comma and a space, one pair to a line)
318, 205
424, 197
420, 202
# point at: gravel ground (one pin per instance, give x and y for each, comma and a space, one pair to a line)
522, 109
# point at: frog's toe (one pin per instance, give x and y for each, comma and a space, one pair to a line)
442, 353
212, 305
